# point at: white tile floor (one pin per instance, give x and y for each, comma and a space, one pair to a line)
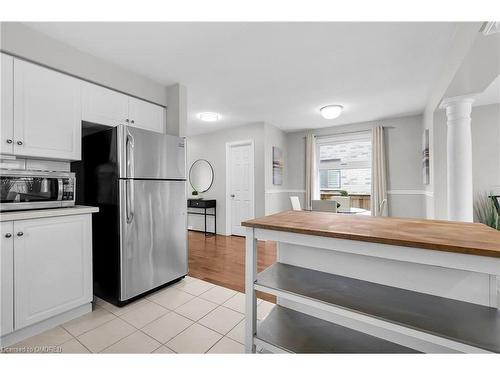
191, 316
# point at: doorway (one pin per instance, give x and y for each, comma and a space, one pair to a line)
240, 200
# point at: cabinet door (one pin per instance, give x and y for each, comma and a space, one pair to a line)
47, 113
145, 115
103, 106
7, 278
7, 105
52, 267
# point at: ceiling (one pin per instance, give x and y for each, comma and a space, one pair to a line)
489, 96
280, 73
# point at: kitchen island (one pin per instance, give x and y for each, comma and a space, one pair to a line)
365, 284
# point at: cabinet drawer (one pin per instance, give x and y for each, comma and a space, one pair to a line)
201, 203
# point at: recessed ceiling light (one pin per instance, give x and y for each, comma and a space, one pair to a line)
209, 116
331, 111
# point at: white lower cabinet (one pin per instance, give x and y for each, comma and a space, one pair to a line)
52, 268
7, 278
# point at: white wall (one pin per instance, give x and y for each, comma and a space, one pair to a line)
269, 198
212, 147
478, 66
177, 110
463, 41
485, 154
276, 196
404, 162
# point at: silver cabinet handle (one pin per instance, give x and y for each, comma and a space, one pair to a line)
8, 235
9, 141
132, 121
19, 234
19, 143
127, 120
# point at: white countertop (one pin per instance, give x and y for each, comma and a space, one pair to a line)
49, 212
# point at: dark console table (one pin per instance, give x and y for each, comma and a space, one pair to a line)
204, 204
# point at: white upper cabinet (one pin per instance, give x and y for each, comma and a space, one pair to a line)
47, 113
42, 111
7, 105
145, 115
104, 106
107, 107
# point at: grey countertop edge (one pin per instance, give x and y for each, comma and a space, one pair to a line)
45, 213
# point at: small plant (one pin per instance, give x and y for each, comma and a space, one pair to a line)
485, 211
194, 193
343, 193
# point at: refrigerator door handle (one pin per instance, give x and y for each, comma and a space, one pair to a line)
129, 200
129, 150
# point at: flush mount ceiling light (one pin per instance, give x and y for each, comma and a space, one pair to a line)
331, 111
209, 116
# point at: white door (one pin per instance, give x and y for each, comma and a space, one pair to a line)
7, 278
146, 116
241, 185
47, 113
7, 105
52, 267
104, 106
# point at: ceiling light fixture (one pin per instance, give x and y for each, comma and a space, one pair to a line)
209, 116
331, 111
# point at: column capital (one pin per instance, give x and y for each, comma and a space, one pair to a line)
456, 100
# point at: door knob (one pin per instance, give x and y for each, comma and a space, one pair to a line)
19, 234
8, 235
9, 141
232, 195
19, 143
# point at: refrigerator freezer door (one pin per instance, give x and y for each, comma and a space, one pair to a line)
153, 225
146, 154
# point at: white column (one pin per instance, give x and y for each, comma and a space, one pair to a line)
459, 152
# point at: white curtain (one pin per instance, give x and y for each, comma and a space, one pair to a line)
379, 175
312, 188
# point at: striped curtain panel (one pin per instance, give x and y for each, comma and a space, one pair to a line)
312, 188
378, 200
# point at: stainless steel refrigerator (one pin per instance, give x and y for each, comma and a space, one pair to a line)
137, 178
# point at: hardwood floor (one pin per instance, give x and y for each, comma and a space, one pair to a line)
221, 260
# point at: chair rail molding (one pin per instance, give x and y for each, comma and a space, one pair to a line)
410, 192
279, 191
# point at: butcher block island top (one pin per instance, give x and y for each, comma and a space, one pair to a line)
449, 236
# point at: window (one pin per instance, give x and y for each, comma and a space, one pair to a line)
344, 163
329, 179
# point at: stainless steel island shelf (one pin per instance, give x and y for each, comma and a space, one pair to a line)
468, 323
289, 331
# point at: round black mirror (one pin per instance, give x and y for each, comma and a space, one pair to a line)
201, 175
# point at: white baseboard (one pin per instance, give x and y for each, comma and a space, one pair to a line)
45, 325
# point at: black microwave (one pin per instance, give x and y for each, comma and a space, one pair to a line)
24, 189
